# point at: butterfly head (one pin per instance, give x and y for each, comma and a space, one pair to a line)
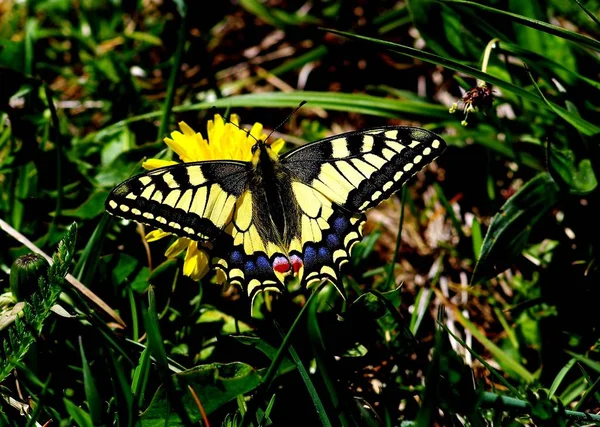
262, 153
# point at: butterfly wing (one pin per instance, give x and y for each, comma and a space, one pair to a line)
209, 202
358, 170
194, 200
336, 179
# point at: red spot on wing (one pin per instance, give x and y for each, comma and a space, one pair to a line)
296, 263
281, 265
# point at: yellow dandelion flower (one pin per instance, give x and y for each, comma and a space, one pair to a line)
225, 141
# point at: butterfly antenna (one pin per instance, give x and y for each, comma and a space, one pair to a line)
239, 127
286, 119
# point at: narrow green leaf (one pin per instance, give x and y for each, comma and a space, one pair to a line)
91, 391
323, 362
508, 364
509, 231
264, 347
586, 361
449, 210
588, 12
572, 118
347, 102
589, 128
81, 418
140, 377
532, 23
476, 237
314, 395
440, 27
124, 401
170, 97
560, 377
214, 384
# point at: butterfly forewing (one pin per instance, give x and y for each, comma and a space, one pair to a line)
358, 170
193, 200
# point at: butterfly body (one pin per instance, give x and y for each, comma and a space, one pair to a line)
299, 214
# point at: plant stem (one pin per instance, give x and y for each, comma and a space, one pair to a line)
168, 105
492, 400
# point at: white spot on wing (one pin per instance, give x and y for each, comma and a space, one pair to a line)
391, 134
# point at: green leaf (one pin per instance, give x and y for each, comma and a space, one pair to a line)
81, 418
265, 348
89, 209
346, 102
439, 25
476, 237
367, 306
509, 231
230, 325
91, 391
581, 124
532, 23
579, 178
214, 384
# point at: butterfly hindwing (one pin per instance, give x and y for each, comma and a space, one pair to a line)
358, 170
193, 200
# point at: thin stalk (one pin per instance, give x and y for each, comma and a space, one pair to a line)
390, 273
57, 139
507, 403
170, 98
275, 363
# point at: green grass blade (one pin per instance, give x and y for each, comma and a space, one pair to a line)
495, 373
508, 364
157, 349
319, 408
58, 142
573, 119
533, 23
560, 377
449, 210
390, 275
472, 71
276, 363
141, 375
476, 237
124, 413
91, 391
81, 418
85, 269
591, 389
588, 12
321, 356
347, 102
170, 97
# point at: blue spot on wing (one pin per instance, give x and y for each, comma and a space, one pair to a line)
263, 264
250, 267
310, 256
323, 254
332, 240
237, 257
340, 224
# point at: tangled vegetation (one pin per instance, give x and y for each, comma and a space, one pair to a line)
472, 298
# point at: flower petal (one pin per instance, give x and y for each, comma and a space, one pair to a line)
195, 264
177, 247
157, 163
277, 145
155, 235
257, 131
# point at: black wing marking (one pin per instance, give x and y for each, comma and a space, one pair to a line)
358, 170
193, 200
